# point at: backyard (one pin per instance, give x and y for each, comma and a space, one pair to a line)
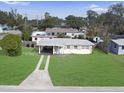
13, 70
97, 69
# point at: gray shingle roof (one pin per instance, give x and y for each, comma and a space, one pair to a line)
63, 42
56, 29
118, 41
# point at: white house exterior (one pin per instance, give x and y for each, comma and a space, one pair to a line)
1, 30
66, 46
38, 35
35, 33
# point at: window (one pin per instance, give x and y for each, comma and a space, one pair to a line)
75, 47
115, 46
38, 34
68, 47
48, 33
123, 47
52, 33
35, 38
85, 47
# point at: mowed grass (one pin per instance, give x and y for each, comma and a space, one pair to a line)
13, 70
97, 69
42, 66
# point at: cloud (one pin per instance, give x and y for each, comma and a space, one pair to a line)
16, 3
93, 6
98, 9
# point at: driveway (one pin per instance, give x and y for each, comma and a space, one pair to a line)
38, 79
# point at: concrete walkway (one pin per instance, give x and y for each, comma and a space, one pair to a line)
39, 79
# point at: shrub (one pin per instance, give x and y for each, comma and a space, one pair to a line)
81, 37
11, 45
60, 35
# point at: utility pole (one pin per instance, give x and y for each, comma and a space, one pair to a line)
37, 20
25, 21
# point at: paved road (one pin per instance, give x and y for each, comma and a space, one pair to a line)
60, 88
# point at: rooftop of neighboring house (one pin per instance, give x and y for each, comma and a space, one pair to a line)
117, 36
5, 32
118, 41
38, 33
63, 42
16, 32
63, 30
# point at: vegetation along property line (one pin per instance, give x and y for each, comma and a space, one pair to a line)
42, 66
13, 70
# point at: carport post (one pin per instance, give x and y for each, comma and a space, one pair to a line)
39, 50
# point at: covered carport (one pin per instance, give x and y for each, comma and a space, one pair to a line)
49, 46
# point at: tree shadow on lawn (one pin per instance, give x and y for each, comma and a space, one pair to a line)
2, 52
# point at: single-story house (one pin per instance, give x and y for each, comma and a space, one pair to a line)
117, 46
65, 46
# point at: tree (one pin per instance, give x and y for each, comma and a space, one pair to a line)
117, 12
117, 9
74, 22
26, 35
50, 22
61, 35
11, 45
27, 30
81, 37
92, 23
12, 18
47, 15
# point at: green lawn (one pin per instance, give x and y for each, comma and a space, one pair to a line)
13, 70
42, 66
97, 69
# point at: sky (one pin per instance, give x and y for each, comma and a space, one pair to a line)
61, 9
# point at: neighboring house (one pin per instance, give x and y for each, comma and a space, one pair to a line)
5, 32
1, 30
16, 32
97, 39
117, 46
65, 46
37, 35
53, 32
5, 27
70, 32
117, 36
